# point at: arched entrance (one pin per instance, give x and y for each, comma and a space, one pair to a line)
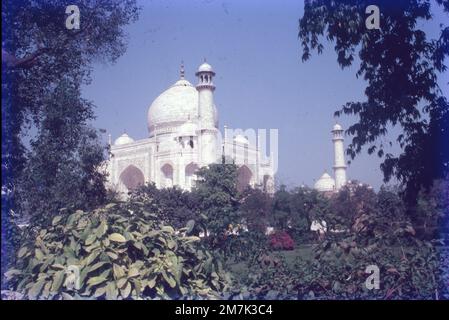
167, 176
132, 177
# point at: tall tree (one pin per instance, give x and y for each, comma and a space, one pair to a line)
64, 164
39, 53
217, 196
401, 65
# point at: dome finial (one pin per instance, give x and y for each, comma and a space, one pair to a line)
182, 72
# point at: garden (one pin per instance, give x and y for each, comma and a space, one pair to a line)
211, 243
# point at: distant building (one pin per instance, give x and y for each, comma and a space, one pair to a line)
183, 137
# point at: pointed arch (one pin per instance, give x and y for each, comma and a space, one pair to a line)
132, 177
167, 175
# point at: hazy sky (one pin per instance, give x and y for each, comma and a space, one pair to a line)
261, 81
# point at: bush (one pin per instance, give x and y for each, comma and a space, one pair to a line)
281, 240
118, 251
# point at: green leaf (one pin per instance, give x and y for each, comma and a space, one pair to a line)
38, 254
100, 291
121, 282
171, 281
46, 291
101, 230
189, 226
133, 272
66, 296
56, 220
112, 255
97, 265
171, 244
36, 289
118, 271
90, 239
111, 291
126, 291
96, 280
117, 237
58, 279
11, 273
110, 205
168, 229
22, 252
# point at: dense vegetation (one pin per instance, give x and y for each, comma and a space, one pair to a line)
149, 246
50, 152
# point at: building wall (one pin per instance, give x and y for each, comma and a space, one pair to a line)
151, 155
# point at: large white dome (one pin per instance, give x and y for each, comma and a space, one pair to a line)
174, 106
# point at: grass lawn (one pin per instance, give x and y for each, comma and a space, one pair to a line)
304, 251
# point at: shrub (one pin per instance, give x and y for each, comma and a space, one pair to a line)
120, 251
281, 240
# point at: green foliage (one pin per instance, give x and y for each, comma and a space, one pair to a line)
338, 271
401, 65
431, 214
121, 251
295, 210
43, 66
63, 167
256, 207
174, 205
372, 229
269, 277
216, 191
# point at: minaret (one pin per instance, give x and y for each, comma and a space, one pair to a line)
339, 157
206, 114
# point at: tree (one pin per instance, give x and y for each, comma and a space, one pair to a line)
216, 190
401, 66
64, 165
281, 218
256, 206
431, 218
173, 205
306, 205
38, 53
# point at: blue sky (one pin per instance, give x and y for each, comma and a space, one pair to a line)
261, 81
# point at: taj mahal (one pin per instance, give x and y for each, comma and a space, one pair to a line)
184, 136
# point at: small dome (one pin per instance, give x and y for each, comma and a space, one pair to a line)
241, 139
123, 139
205, 67
325, 183
337, 127
188, 129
